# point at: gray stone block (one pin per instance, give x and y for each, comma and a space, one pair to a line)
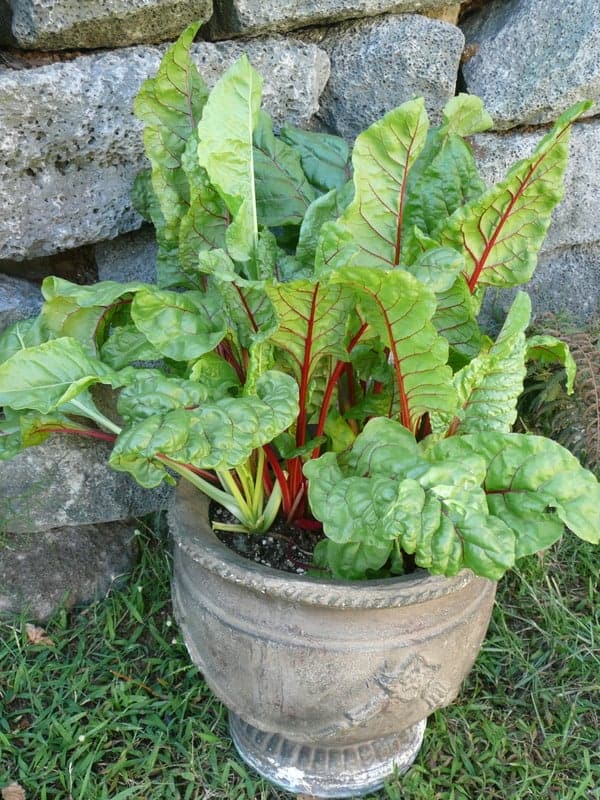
67, 481
567, 280
19, 299
70, 146
235, 17
379, 64
41, 572
575, 220
532, 59
131, 257
72, 24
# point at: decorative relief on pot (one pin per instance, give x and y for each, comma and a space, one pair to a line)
414, 679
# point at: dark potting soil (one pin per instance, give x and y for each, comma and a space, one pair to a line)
285, 547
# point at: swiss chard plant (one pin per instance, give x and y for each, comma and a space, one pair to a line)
311, 347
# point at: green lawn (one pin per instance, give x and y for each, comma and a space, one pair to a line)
114, 710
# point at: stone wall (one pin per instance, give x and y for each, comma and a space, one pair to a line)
70, 148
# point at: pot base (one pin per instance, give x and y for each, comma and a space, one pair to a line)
322, 771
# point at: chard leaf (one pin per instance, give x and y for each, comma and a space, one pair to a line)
465, 115
22, 334
327, 207
312, 320
170, 106
104, 293
549, 350
36, 428
127, 344
219, 435
46, 376
152, 393
352, 560
455, 318
531, 483
324, 157
84, 312
226, 151
501, 231
215, 374
489, 386
369, 233
436, 267
250, 312
399, 309
144, 197
432, 507
445, 175
182, 326
204, 225
10, 439
282, 191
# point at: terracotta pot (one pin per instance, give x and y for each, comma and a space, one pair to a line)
328, 683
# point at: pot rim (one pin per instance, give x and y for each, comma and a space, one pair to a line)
192, 533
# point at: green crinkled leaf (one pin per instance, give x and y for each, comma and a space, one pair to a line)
445, 175
215, 374
36, 428
226, 151
489, 386
391, 492
43, 377
219, 435
501, 231
465, 115
369, 233
84, 313
180, 325
384, 448
529, 481
170, 105
144, 197
125, 345
104, 293
353, 560
312, 319
399, 309
283, 192
455, 318
325, 208
10, 439
152, 393
250, 311
204, 225
22, 334
549, 350
436, 267
324, 157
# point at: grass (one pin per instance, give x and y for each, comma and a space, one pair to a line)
114, 709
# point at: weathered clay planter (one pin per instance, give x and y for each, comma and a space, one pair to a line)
328, 684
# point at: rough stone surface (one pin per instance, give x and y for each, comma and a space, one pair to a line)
19, 299
67, 481
575, 220
234, 17
64, 24
131, 257
566, 280
379, 64
531, 59
63, 566
70, 146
